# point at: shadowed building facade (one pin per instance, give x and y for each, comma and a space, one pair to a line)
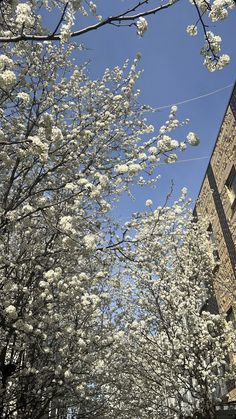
217, 204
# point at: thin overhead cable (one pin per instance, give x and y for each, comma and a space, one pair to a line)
186, 160
194, 98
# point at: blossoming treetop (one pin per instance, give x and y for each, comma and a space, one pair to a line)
22, 21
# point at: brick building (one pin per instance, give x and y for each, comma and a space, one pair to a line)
217, 204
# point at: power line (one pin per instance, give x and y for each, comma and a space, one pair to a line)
186, 160
194, 98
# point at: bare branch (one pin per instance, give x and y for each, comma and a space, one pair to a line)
61, 19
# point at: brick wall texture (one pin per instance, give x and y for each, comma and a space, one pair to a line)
215, 204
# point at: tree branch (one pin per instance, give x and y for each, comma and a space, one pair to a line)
61, 20
124, 17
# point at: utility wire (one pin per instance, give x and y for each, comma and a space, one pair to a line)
191, 100
194, 159
194, 98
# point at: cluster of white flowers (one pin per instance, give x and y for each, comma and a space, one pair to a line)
65, 32
93, 8
172, 158
148, 203
134, 168
182, 146
103, 180
24, 15
193, 139
202, 5
153, 150
90, 241
166, 143
24, 97
5, 61
105, 206
218, 12
27, 208
53, 275
173, 109
191, 30
47, 122
142, 26
219, 9
39, 147
121, 168
76, 4
7, 79
223, 60
211, 53
56, 135
67, 374
11, 312
66, 223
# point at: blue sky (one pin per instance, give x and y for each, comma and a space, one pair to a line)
173, 71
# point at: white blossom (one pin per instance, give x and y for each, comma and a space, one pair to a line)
153, 150
39, 147
66, 223
11, 312
148, 203
191, 30
174, 108
76, 4
93, 8
142, 26
193, 139
122, 168
172, 158
5, 61
24, 15
7, 79
134, 168
24, 97
56, 134
90, 241
184, 191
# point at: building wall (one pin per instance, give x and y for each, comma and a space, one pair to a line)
218, 206
215, 204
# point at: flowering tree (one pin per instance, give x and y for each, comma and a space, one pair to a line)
175, 353
69, 147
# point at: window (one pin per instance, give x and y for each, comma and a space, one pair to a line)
231, 186
230, 317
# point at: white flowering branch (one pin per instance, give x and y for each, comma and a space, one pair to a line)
204, 26
118, 19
